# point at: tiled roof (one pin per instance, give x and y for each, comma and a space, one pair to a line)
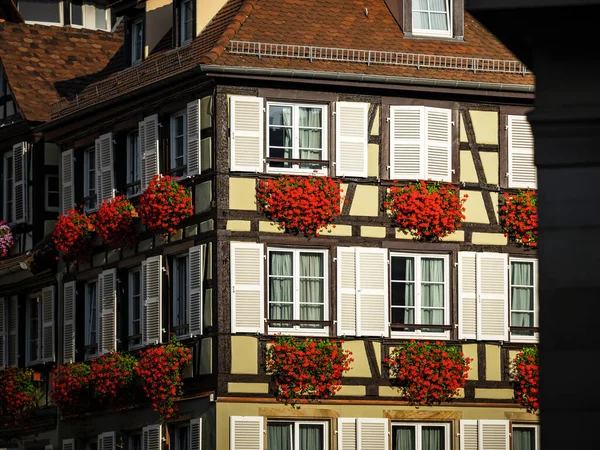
44, 64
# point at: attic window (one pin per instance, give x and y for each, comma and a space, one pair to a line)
45, 12
431, 18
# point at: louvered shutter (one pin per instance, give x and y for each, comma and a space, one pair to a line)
69, 322
196, 434
246, 128
371, 292
20, 182
468, 435
467, 295
48, 294
438, 144
3, 334
492, 296
346, 434
68, 186
193, 138
195, 286
68, 444
351, 138
152, 437
152, 280
149, 133
12, 325
107, 441
372, 434
98, 172
142, 140
521, 166
105, 168
247, 287
246, 433
407, 133
493, 434
107, 295
346, 291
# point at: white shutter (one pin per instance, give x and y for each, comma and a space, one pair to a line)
492, 296
467, 295
246, 128
152, 281
351, 139
149, 135
98, 172
346, 434
371, 292
372, 434
247, 287
521, 166
246, 433
438, 144
105, 168
346, 291
196, 434
195, 286
142, 140
152, 437
493, 434
69, 322
468, 435
12, 327
107, 295
20, 182
106, 441
193, 138
407, 133
48, 323
3, 334
67, 180
68, 444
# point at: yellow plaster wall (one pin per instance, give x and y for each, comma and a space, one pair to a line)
463, 131
475, 208
339, 230
269, 227
244, 351
494, 197
493, 364
205, 11
365, 202
377, 346
343, 191
490, 162
470, 351
468, 173
249, 388
354, 391
485, 125
400, 234
238, 225
242, 194
374, 232
373, 160
503, 394
488, 238
375, 127
360, 366
159, 20
456, 236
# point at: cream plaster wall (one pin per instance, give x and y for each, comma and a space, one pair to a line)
159, 20
503, 394
375, 127
470, 351
250, 388
355, 391
269, 227
494, 197
485, 125
205, 11
490, 162
366, 201
244, 355
463, 131
493, 364
339, 230
377, 347
242, 194
238, 225
456, 236
343, 192
360, 365
373, 232
489, 238
373, 160
475, 208
468, 174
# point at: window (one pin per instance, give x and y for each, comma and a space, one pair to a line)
522, 172
135, 441
7, 105
420, 436
77, 12
431, 18
135, 307
297, 435
180, 295
48, 12
52, 192
523, 299
92, 444
297, 132
297, 290
101, 17
178, 144
134, 164
181, 437
91, 319
8, 186
419, 294
186, 22
34, 330
89, 179
525, 437
137, 41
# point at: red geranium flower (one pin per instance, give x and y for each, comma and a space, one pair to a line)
70, 387
518, 217
18, 396
114, 222
73, 234
110, 375
525, 374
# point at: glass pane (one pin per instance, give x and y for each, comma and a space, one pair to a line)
521, 273
280, 115
404, 316
433, 438
432, 295
522, 299
439, 21
403, 438
310, 117
280, 137
40, 10
279, 436
432, 270
311, 437
420, 20
402, 268
53, 199
53, 183
310, 138
280, 263
523, 438
421, 5
437, 5
432, 317
403, 294
77, 12
101, 18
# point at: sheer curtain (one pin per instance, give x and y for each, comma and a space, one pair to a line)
280, 133
279, 436
311, 437
433, 438
438, 15
522, 295
523, 438
310, 138
281, 286
404, 438
432, 278
311, 288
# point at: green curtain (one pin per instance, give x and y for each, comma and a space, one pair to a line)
279, 436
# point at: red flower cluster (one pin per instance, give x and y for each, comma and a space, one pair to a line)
110, 374
428, 212
306, 369
18, 395
159, 370
518, 217
72, 235
114, 222
70, 387
427, 374
300, 204
165, 204
526, 376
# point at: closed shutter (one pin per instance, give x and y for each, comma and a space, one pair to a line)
152, 281
246, 128
371, 292
407, 131
69, 293
195, 286
247, 287
20, 182
372, 434
48, 294
468, 435
152, 437
107, 441
492, 296
12, 325
105, 168
149, 133
351, 138
107, 287
3, 334
346, 434
467, 295
246, 433
193, 138
68, 444
493, 435
67, 179
438, 144
346, 291
521, 165
196, 434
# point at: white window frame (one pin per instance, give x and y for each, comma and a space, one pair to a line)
134, 148
134, 24
296, 329
176, 442
184, 137
418, 435
131, 302
46, 183
87, 340
7, 178
536, 429
40, 359
536, 305
61, 13
86, 179
182, 40
75, 25
417, 333
175, 292
296, 431
296, 138
430, 32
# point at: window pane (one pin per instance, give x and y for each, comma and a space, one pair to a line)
523, 438
432, 270
279, 436
101, 18
280, 115
311, 437
311, 117
281, 286
312, 283
53, 199
53, 183
40, 10
420, 20
437, 5
402, 268
77, 12
403, 438
421, 5
433, 438
439, 21
280, 137
522, 273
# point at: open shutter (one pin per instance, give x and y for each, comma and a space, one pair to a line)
467, 295
246, 433
346, 434
438, 143
105, 168
3, 334
98, 163
69, 293
107, 441
193, 138
149, 135
68, 444
152, 437
371, 292
492, 296
468, 435
493, 434
346, 291
521, 166
48, 323
195, 286
20, 182
407, 133
351, 138
246, 128
12, 324
247, 289
68, 186
107, 294
372, 434
196, 434
142, 140
152, 280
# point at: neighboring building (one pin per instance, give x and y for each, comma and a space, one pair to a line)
215, 92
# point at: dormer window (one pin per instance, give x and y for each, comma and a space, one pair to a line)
431, 18
45, 12
186, 21
137, 41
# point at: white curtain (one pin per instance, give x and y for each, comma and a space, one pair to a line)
312, 305
432, 291
281, 284
310, 133
522, 296
403, 290
280, 133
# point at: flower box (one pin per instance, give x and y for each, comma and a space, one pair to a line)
518, 217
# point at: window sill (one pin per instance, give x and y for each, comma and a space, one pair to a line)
420, 335
300, 331
288, 171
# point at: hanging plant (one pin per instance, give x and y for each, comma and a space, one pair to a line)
159, 369
308, 369
427, 211
115, 222
518, 217
73, 234
70, 387
110, 375
427, 373
525, 374
7, 239
165, 204
18, 396
300, 204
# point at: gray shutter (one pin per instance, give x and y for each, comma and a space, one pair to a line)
68, 185
48, 295
493, 435
3, 334
247, 287
142, 137
152, 437
150, 166
193, 138
105, 168
107, 441
372, 292
152, 280
407, 133
492, 296
352, 139
98, 173
346, 434
246, 433
12, 325
246, 133
68, 444
372, 434
522, 172
346, 291
438, 144
20, 182
468, 435
467, 295
195, 287
107, 297
69, 294
196, 434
